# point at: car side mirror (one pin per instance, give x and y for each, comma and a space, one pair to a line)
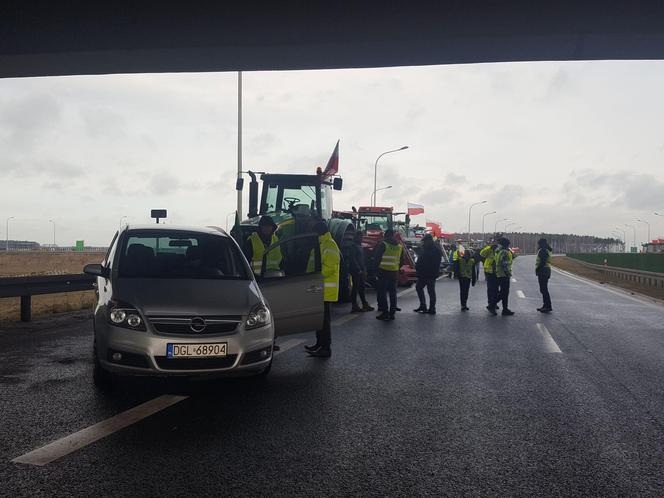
97, 270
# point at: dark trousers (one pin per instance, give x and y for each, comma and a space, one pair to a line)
430, 284
503, 291
358, 289
491, 289
324, 335
464, 289
544, 289
387, 285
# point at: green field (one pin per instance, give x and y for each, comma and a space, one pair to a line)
645, 262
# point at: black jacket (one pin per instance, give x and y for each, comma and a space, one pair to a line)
428, 262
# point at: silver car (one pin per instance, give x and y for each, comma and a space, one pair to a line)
184, 301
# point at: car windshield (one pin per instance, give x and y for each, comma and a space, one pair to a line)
179, 254
374, 222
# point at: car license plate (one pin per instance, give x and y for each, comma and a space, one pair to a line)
205, 350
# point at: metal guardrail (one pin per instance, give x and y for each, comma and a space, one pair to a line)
26, 287
648, 278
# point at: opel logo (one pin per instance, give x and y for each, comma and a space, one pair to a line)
197, 324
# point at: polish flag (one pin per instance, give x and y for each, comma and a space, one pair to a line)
436, 229
333, 164
414, 209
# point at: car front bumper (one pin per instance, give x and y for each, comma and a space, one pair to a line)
131, 352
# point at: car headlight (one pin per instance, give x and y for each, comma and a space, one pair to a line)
259, 316
126, 316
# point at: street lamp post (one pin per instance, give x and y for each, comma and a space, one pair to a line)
470, 209
495, 226
641, 221
484, 216
7, 233
373, 198
634, 230
376, 169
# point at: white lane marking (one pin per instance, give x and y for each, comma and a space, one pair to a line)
69, 444
406, 291
513, 280
645, 300
549, 343
66, 445
520, 294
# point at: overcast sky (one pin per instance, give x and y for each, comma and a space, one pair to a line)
557, 147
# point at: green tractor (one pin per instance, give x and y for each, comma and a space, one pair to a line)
296, 203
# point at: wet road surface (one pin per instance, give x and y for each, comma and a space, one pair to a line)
570, 403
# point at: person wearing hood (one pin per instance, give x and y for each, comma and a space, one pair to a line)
330, 266
503, 270
487, 254
466, 272
388, 259
428, 269
543, 272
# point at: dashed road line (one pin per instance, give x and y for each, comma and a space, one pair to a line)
74, 442
69, 444
345, 319
520, 294
513, 280
549, 343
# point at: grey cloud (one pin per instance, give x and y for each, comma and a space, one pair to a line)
262, 142
50, 169
105, 123
634, 191
438, 197
507, 195
164, 184
25, 120
454, 179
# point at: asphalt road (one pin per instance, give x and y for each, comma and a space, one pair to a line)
570, 403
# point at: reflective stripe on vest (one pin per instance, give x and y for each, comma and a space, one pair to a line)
274, 257
391, 257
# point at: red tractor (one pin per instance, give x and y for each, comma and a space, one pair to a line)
373, 221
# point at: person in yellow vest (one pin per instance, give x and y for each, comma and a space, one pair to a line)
466, 271
487, 255
503, 269
330, 263
543, 272
255, 247
258, 242
388, 259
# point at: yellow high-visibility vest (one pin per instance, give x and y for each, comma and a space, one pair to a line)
258, 251
330, 264
391, 259
488, 255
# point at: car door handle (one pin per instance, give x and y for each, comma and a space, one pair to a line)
314, 288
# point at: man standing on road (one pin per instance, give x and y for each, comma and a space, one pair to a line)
503, 263
358, 272
466, 271
255, 247
330, 262
543, 272
428, 269
387, 258
487, 254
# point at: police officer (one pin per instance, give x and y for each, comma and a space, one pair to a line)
258, 242
503, 268
387, 257
488, 254
466, 271
543, 272
330, 262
